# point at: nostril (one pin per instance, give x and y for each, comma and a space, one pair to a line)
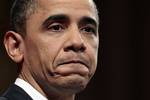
66, 49
83, 48
75, 48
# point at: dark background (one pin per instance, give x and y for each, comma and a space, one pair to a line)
124, 66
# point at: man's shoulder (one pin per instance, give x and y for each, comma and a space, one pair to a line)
3, 98
15, 93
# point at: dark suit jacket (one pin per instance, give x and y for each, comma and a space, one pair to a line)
15, 93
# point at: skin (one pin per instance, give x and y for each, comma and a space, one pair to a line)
58, 55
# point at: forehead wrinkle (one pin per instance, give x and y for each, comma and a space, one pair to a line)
47, 4
66, 4
46, 7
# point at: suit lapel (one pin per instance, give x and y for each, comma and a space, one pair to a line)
16, 93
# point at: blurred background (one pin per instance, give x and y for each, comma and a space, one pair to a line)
123, 71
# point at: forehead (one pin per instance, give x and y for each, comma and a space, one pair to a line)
72, 7
82, 3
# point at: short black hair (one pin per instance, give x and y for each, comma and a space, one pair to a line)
20, 11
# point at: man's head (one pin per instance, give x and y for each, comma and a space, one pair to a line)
58, 54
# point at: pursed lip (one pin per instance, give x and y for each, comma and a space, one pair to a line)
74, 62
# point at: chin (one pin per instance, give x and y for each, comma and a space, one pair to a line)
74, 84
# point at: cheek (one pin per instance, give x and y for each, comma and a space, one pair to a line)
39, 56
92, 52
48, 53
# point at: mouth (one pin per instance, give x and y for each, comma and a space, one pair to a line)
74, 62
71, 67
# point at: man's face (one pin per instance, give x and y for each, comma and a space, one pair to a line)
61, 44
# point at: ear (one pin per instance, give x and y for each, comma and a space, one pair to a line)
14, 46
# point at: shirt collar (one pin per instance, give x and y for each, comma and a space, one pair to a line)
32, 92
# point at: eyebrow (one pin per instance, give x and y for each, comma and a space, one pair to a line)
63, 17
59, 17
88, 20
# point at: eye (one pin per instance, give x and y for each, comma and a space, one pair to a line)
56, 27
88, 30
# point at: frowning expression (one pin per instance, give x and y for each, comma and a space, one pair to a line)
61, 44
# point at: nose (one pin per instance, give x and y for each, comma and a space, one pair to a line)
75, 43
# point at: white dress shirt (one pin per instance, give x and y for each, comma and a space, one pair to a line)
32, 92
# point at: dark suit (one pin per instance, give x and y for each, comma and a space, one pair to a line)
15, 93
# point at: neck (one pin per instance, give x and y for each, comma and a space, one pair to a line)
71, 97
51, 95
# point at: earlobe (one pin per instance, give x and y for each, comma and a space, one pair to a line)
13, 43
